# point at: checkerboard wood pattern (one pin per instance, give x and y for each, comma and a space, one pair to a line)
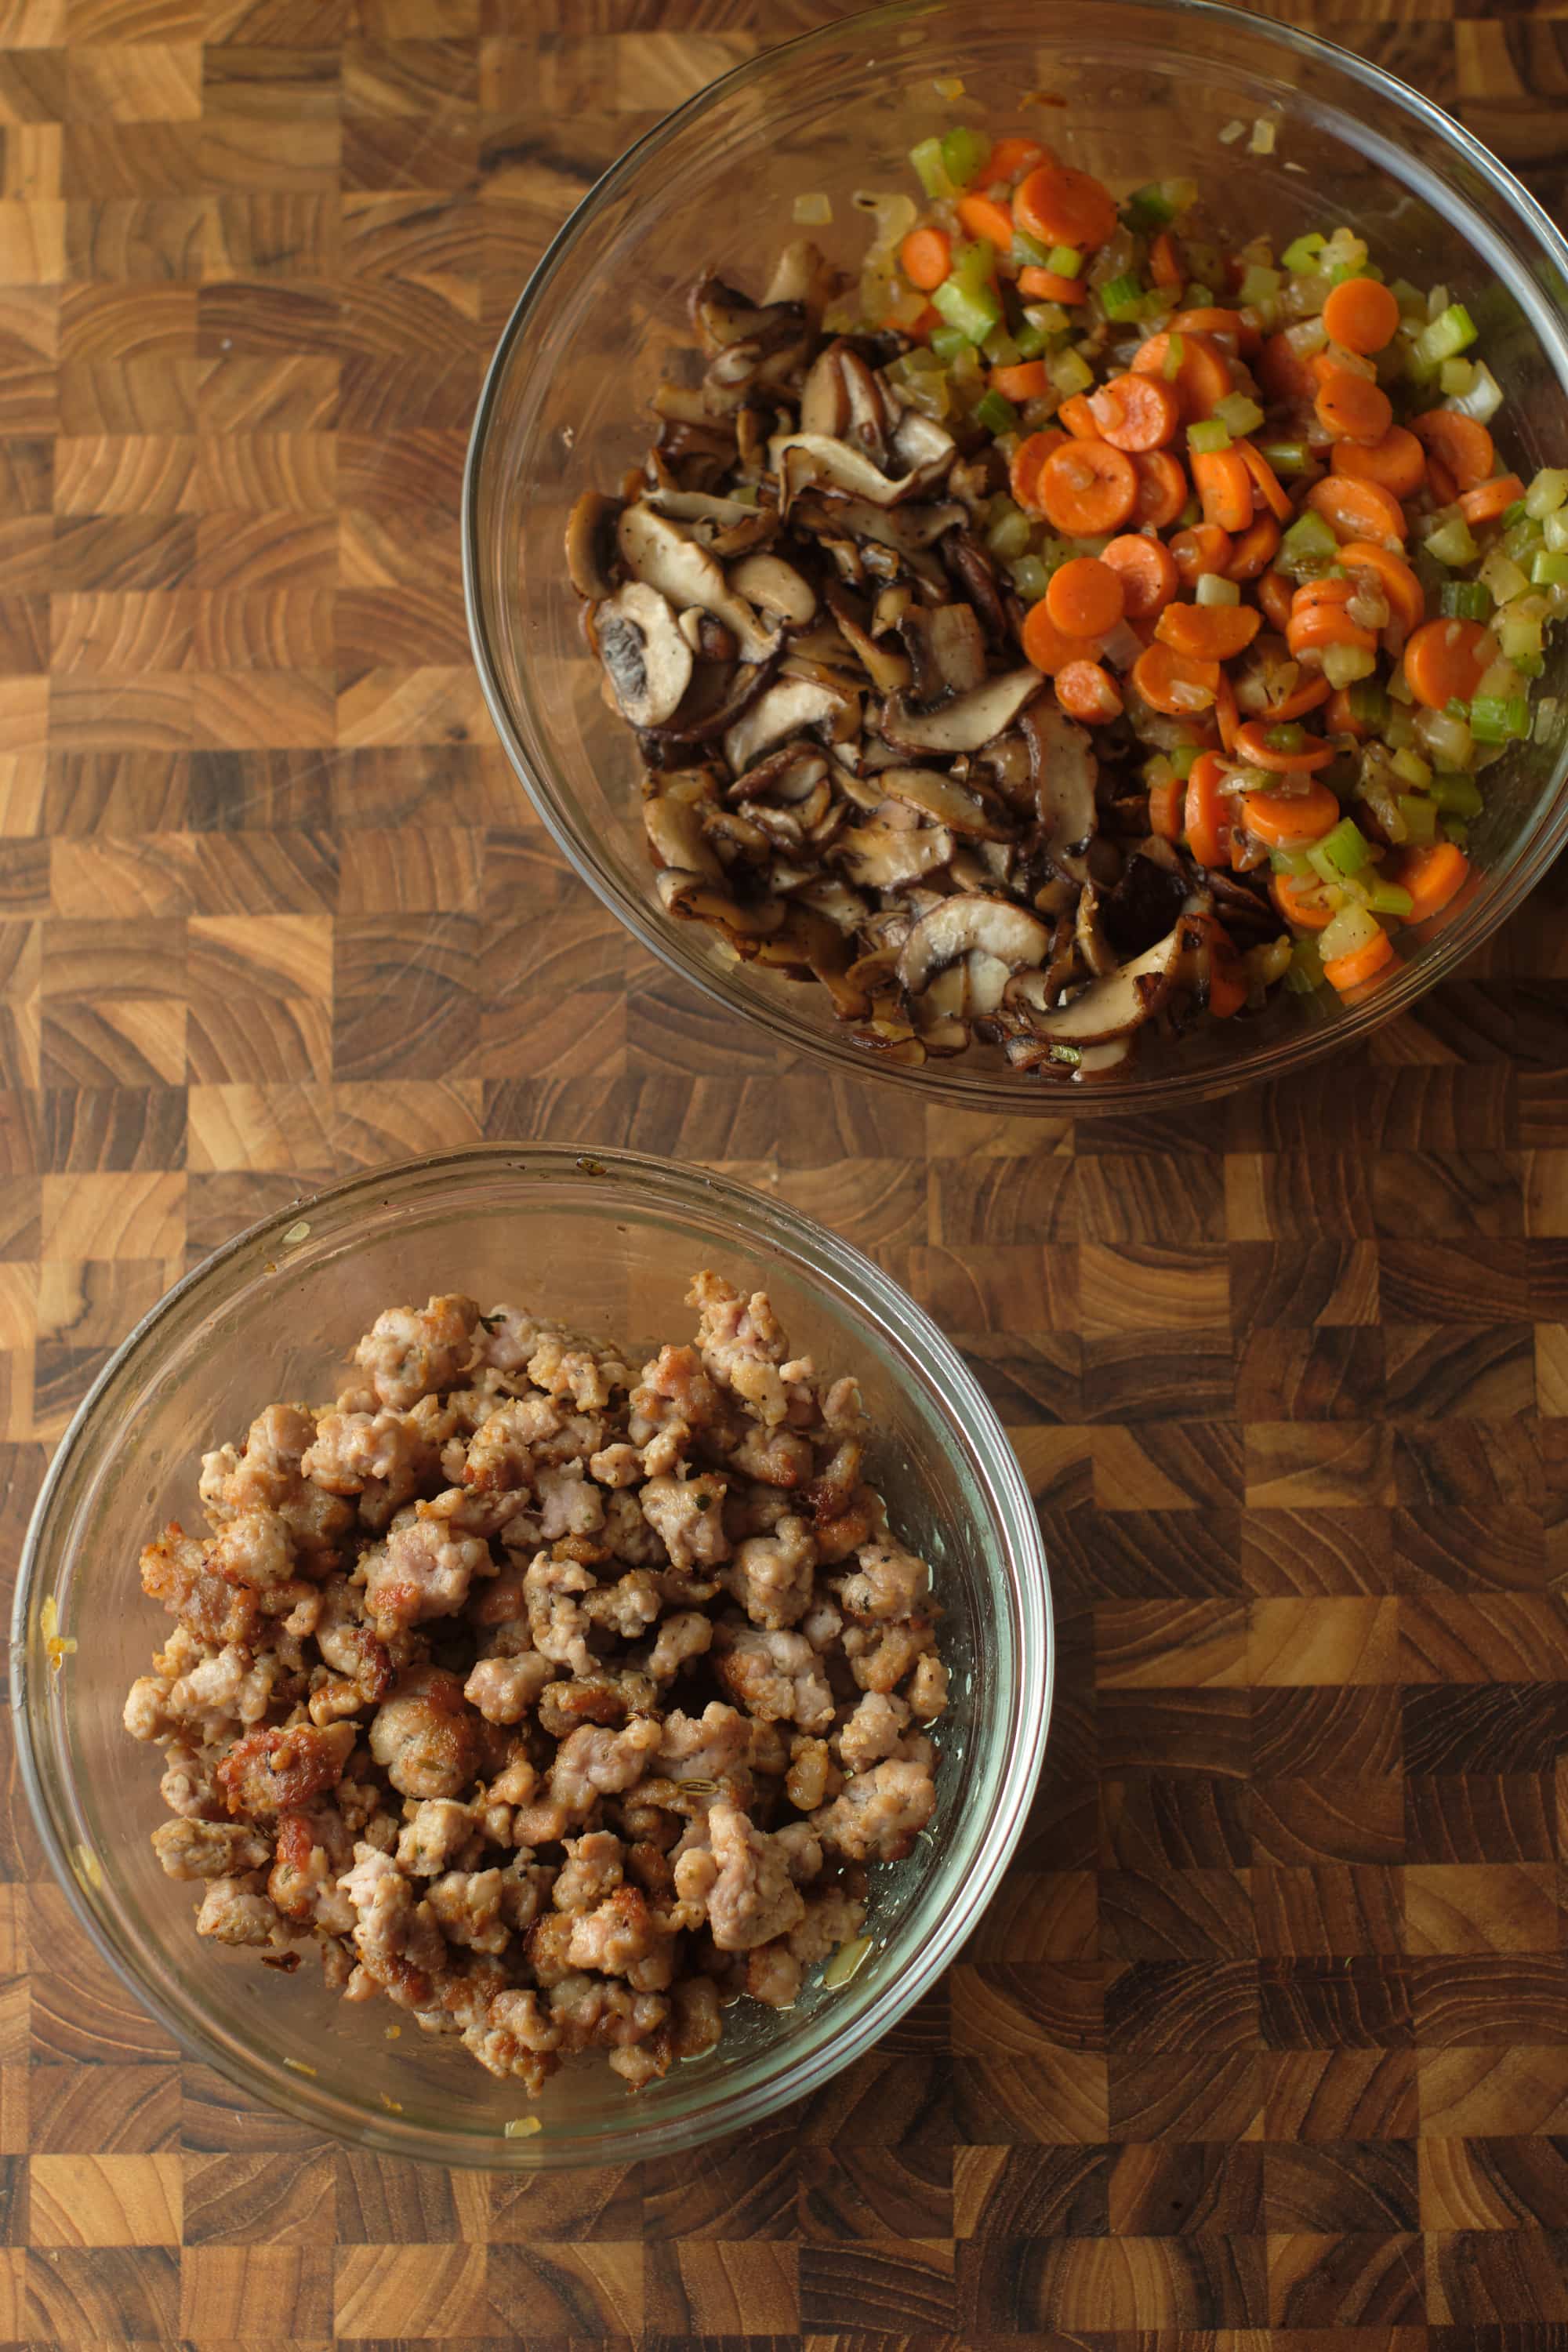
1266, 2042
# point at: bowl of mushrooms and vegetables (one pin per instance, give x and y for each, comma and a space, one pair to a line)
758, 584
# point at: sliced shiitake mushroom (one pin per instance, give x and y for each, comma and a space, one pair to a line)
776, 587
1107, 1008
1066, 772
959, 927
788, 708
946, 649
725, 526
646, 660
591, 544
936, 796
677, 837
885, 857
966, 722
698, 899
1098, 956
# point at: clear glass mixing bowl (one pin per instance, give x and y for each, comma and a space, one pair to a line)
609, 1241
1146, 87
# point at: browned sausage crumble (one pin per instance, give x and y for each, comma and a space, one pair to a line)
564, 1704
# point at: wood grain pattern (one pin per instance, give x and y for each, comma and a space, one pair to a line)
1264, 2046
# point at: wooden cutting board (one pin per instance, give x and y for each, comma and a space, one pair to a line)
1269, 2029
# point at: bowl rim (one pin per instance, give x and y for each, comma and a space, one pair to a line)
818, 1256
938, 1081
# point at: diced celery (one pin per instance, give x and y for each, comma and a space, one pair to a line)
1239, 415
1192, 514
1388, 898
1530, 665
1494, 720
1304, 973
1028, 339
1502, 576
1175, 352
1445, 337
1368, 702
1521, 635
1352, 928
1518, 512
1286, 456
1257, 285
948, 342
1009, 537
1554, 529
1420, 815
1451, 544
964, 151
1123, 296
1413, 768
1457, 796
1198, 298
1295, 862
1049, 317
971, 306
1456, 376
997, 414
1214, 588
1307, 546
1069, 372
1184, 758
1147, 210
1028, 251
1300, 256
1000, 349
1030, 578
930, 169
1549, 570
1209, 435
1465, 600
1064, 260
1344, 850
1547, 493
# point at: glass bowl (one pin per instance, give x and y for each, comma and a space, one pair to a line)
608, 1241
1136, 88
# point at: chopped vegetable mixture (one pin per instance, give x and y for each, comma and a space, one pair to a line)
1078, 625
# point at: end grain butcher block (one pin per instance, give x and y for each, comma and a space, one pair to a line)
1266, 2038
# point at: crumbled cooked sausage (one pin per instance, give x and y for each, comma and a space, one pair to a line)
416, 1703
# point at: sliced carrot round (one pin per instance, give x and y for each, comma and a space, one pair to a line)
1462, 443
1088, 488
1226, 715
1202, 547
1024, 473
1166, 802
1165, 261
1445, 489
1050, 649
926, 257
1303, 902
1354, 970
1137, 412
1311, 627
1255, 747
1406, 597
1270, 488
1207, 811
1080, 418
1174, 682
1397, 463
1209, 632
1274, 595
1284, 372
1355, 509
983, 216
1447, 660
1255, 550
1308, 694
1085, 597
1087, 690
1361, 315
1224, 486
1352, 409
1434, 874
1216, 322
1285, 820
1147, 571
1060, 205
1045, 286
1203, 373
1163, 489
1227, 979
1026, 380
1011, 157
1489, 500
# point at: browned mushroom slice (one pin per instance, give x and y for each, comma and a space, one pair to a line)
938, 1014
1086, 1065
921, 443
1065, 775
776, 587
801, 275
965, 724
725, 526
807, 460
960, 926
888, 670
972, 568
655, 550
946, 648
1094, 948
677, 837
788, 708
808, 947
646, 659
1107, 1008
882, 856
710, 640
719, 693
936, 796
786, 776
591, 544
724, 317
694, 897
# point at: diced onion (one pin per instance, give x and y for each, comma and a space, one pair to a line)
1342, 665
813, 212
1483, 399
1214, 588
1350, 929
1231, 133
1264, 134
1445, 739
521, 2127
846, 1962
